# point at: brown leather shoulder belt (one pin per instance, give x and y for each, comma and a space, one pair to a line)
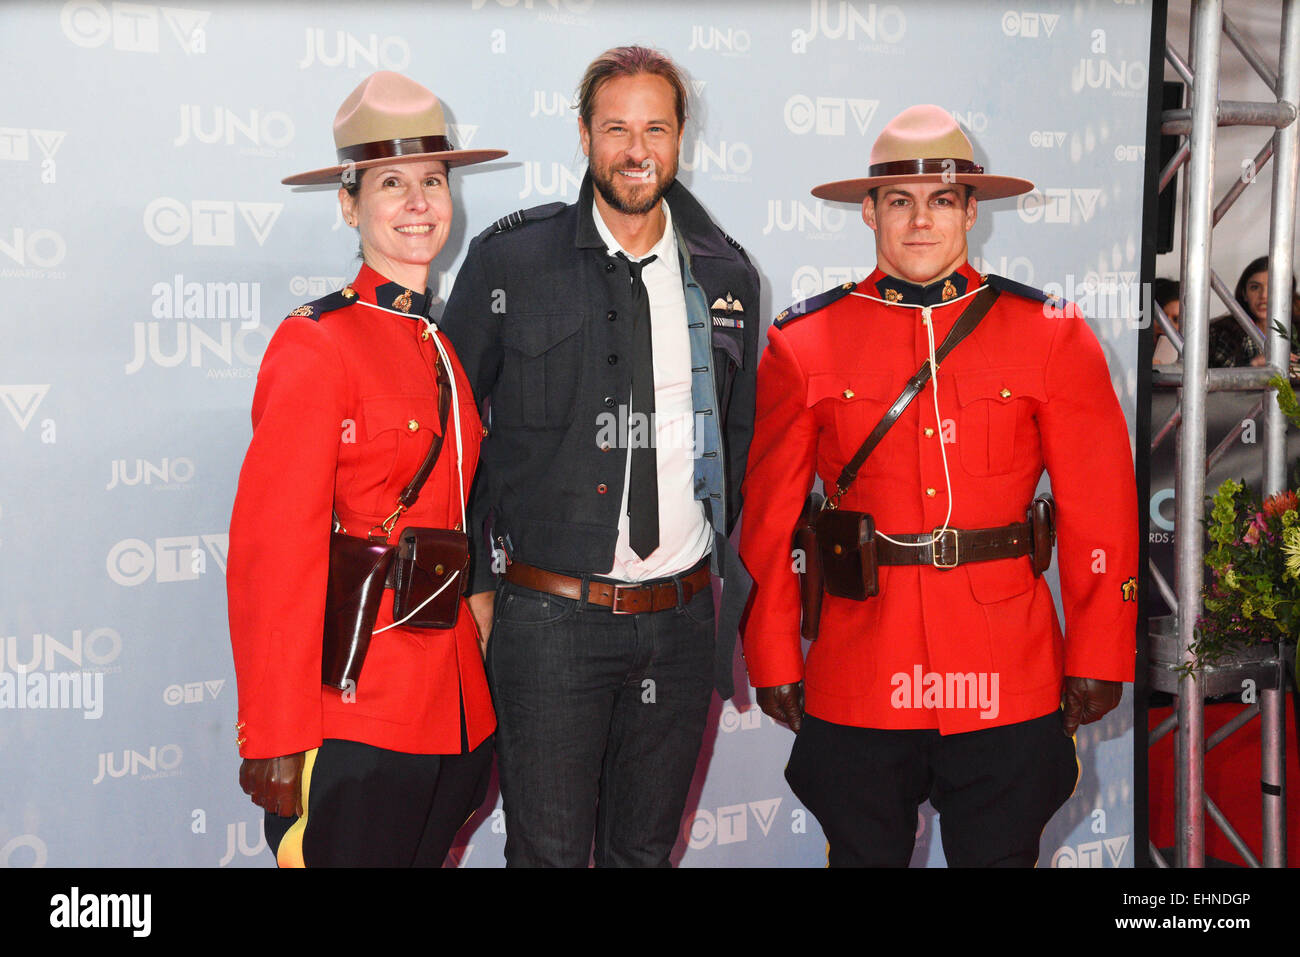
657, 595
957, 546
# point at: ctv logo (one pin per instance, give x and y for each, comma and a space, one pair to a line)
1027, 24
372, 53
206, 222
1054, 205
14, 145
315, 286
1093, 853
192, 692
730, 824
22, 401
134, 561
810, 280
826, 115
1047, 139
133, 27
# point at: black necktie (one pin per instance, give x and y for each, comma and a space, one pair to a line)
643, 485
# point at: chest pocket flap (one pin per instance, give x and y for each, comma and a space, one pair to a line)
995, 434
535, 334
411, 414
1003, 386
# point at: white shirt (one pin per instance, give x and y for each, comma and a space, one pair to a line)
684, 534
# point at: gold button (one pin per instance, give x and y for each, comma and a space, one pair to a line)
425, 335
438, 569
929, 432
1005, 393
838, 549
930, 492
239, 742
349, 292
413, 425
848, 393
485, 431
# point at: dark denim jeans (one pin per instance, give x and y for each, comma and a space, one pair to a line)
599, 723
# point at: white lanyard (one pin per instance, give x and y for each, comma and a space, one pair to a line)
938, 533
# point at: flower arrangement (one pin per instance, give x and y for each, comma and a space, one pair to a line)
1254, 595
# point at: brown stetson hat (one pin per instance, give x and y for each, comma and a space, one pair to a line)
923, 144
390, 118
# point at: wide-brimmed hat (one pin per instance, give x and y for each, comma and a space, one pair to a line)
390, 118
923, 144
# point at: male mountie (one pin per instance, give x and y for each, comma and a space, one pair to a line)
959, 599
630, 306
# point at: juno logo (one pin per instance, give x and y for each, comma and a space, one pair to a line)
43, 248
372, 53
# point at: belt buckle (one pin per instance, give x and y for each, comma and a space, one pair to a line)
616, 600
940, 544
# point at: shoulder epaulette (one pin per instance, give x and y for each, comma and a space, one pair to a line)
819, 301
335, 300
1003, 284
520, 216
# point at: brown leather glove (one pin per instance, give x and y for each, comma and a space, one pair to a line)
1087, 700
783, 703
274, 783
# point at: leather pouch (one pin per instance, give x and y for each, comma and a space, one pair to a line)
358, 568
1042, 516
432, 572
808, 565
847, 543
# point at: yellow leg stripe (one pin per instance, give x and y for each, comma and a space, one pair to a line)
290, 853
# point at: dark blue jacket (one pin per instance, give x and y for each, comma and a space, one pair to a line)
539, 318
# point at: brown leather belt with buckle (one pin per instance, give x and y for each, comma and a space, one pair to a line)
957, 546
622, 599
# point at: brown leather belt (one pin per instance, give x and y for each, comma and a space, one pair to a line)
957, 546
622, 599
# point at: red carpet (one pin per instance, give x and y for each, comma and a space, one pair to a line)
1231, 781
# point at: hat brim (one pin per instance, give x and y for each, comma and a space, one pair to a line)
986, 186
334, 174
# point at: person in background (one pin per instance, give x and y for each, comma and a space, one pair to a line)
1165, 293
1230, 345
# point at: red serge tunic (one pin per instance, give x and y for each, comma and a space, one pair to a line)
1029, 389
344, 412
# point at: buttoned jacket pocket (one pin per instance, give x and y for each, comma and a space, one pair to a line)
542, 369
392, 437
996, 432
848, 406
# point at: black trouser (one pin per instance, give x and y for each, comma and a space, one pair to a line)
370, 807
995, 790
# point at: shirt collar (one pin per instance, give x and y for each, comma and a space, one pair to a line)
665, 249
375, 288
901, 292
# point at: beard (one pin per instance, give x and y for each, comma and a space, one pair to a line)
626, 196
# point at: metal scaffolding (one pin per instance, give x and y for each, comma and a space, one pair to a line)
1197, 122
